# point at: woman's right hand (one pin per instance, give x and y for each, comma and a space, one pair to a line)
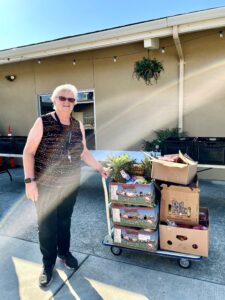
32, 191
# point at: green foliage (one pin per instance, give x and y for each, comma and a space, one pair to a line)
148, 69
162, 135
118, 163
147, 164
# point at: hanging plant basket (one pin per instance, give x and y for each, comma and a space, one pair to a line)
148, 70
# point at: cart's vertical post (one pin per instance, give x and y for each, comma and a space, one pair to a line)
106, 205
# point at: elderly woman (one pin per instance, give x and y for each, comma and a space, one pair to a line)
52, 155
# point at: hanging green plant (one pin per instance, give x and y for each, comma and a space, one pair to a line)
148, 69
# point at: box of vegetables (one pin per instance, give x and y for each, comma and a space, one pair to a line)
131, 182
135, 216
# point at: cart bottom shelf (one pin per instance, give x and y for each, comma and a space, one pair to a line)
184, 260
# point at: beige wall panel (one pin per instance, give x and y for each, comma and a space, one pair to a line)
204, 93
128, 110
18, 99
204, 89
59, 70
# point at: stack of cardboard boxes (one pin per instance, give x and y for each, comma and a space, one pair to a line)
184, 226
134, 216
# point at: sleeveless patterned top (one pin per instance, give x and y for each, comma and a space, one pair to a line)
52, 165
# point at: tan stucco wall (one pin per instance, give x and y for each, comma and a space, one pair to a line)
127, 110
18, 104
204, 89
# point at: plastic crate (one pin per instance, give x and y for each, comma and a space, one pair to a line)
6, 144
12, 144
184, 144
19, 144
210, 150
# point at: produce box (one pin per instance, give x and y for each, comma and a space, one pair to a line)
180, 204
133, 194
135, 216
181, 173
139, 239
190, 240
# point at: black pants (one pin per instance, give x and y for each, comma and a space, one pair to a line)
54, 210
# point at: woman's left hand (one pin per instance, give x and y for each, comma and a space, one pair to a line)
104, 172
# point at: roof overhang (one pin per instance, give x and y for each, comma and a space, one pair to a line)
160, 28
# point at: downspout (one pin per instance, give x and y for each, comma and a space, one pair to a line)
181, 78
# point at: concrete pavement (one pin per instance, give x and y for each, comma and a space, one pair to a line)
97, 278
102, 275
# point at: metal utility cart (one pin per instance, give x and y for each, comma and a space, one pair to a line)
184, 260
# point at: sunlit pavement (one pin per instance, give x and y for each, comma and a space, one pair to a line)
100, 275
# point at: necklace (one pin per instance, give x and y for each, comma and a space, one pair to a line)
68, 140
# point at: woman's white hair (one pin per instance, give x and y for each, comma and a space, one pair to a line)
64, 87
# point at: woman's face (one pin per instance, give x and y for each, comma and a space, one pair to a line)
65, 101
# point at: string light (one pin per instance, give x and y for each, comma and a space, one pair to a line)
163, 49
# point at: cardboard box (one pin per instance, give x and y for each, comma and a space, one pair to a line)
139, 239
180, 204
181, 173
135, 216
184, 240
132, 194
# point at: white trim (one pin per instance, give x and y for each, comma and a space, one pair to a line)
196, 21
181, 96
211, 166
181, 78
10, 155
39, 105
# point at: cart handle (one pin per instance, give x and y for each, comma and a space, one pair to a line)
106, 205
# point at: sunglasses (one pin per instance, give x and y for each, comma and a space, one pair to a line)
63, 99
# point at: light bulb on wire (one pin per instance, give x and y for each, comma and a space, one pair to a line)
39, 61
74, 62
114, 58
221, 34
163, 50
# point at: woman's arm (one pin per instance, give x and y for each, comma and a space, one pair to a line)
33, 141
88, 158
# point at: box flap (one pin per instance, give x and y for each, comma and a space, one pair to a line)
179, 188
186, 159
169, 163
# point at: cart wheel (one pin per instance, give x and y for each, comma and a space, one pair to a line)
184, 263
116, 251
